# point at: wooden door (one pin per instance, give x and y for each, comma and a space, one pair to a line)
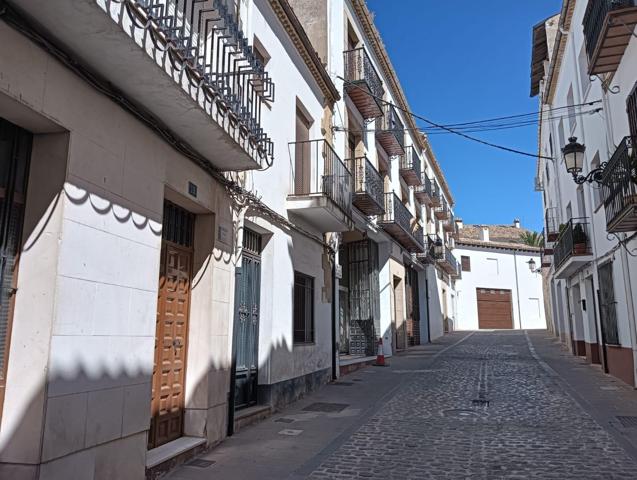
495, 309
303, 155
15, 152
413, 311
171, 333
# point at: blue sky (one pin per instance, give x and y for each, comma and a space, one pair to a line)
463, 61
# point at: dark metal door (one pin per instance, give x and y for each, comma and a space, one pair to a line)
246, 324
15, 153
607, 305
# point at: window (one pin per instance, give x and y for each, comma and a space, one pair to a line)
260, 52
597, 190
585, 79
303, 308
570, 102
466, 263
631, 108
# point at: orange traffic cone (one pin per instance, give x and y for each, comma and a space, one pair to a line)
380, 357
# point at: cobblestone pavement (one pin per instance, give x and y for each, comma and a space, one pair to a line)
485, 408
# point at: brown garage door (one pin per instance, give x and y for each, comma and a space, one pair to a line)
495, 310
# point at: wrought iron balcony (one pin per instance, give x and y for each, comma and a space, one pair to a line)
551, 222
547, 258
442, 212
410, 167
397, 221
362, 83
619, 189
390, 131
368, 186
572, 241
449, 225
423, 192
436, 196
449, 263
608, 28
539, 184
184, 63
429, 256
321, 187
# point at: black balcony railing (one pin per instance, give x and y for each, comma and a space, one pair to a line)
368, 186
424, 191
396, 212
619, 188
410, 165
595, 23
450, 224
363, 83
435, 194
551, 222
313, 157
448, 262
573, 240
211, 54
390, 131
442, 210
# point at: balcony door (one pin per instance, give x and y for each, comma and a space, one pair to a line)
15, 152
302, 154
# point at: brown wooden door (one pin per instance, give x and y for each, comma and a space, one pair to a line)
171, 334
303, 155
495, 309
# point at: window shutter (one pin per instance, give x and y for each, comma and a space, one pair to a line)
466, 263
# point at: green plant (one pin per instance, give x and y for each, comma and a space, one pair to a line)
533, 239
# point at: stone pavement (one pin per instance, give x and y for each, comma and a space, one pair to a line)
486, 405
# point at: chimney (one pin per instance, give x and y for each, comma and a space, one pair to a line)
484, 233
516, 223
459, 223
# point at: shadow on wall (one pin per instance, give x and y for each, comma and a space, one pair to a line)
436, 321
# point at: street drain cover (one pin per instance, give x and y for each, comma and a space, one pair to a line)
460, 413
284, 420
480, 402
627, 422
342, 384
326, 407
199, 463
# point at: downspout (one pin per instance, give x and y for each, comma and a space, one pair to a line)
334, 351
517, 287
427, 306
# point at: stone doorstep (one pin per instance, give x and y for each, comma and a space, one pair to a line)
251, 415
162, 459
352, 364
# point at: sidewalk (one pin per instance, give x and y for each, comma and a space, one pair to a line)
292, 443
611, 402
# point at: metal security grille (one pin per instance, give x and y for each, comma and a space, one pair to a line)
607, 305
178, 225
251, 242
360, 260
631, 109
15, 153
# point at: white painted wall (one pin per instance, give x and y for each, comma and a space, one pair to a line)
500, 269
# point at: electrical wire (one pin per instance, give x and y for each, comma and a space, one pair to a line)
450, 130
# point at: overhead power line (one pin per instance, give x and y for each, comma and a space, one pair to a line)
450, 130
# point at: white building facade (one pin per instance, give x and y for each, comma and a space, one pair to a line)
501, 283
584, 71
190, 239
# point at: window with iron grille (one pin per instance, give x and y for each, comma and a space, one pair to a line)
466, 263
303, 308
631, 108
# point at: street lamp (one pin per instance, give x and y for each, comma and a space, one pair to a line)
532, 266
574, 160
439, 249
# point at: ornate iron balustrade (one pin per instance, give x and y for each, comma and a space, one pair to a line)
424, 191
410, 166
390, 131
368, 186
442, 211
435, 194
551, 222
336, 180
450, 223
396, 212
619, 188
208, 52
419, 235
363, 83
429, 256
573, 240
449, 263
595, 17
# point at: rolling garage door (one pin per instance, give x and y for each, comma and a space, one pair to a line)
495, 310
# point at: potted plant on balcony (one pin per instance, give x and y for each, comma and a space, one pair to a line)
580, 240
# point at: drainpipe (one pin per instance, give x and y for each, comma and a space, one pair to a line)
517, 287
334, 351
427, 306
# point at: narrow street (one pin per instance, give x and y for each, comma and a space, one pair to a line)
481, 405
